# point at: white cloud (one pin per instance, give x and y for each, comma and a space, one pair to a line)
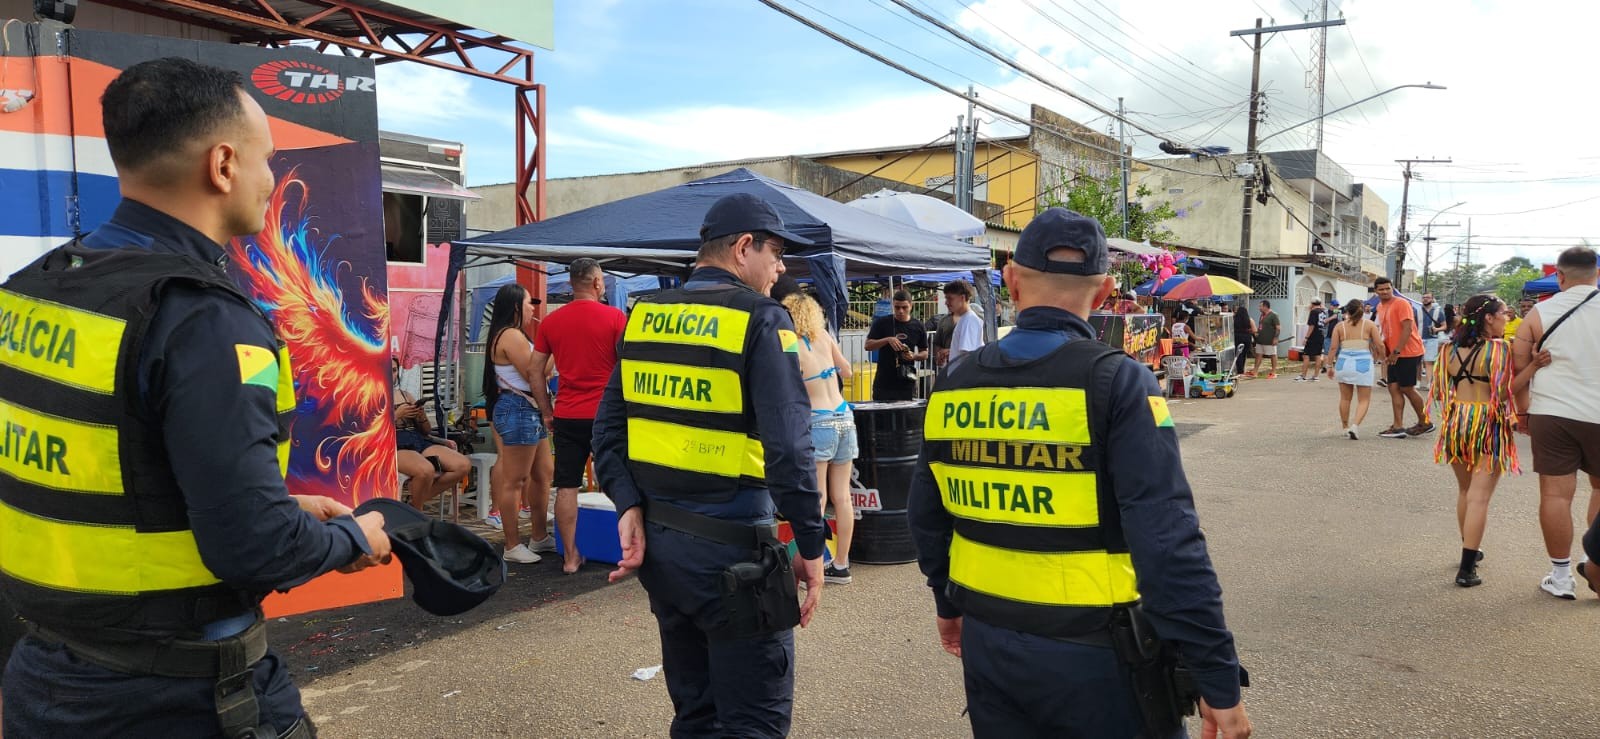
419, 99
1504, 117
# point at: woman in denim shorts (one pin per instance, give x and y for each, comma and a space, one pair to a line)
521, 472
833, 426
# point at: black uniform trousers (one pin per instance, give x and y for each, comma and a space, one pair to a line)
719, 687
1023, 685
51, 692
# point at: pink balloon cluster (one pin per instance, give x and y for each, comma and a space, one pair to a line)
1164, 264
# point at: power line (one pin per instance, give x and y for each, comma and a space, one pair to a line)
1112, 58
1184, 81
985, 48
888, 164
830, 33
1227, 86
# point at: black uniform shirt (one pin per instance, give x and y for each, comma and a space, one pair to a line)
220, 434
1177, 586
776, 394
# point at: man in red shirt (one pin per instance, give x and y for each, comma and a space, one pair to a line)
583, 337
1403, 345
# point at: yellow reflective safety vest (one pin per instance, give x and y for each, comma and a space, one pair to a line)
1016, 450
94, 532
691, 433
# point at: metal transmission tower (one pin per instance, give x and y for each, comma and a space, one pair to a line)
1317, 76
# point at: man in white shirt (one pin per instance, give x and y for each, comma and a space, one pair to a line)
968, 334
1561, 408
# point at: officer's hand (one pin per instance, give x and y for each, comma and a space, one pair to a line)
630, 531
321, 506
808, 571
949, 634
377, 540
1223, 723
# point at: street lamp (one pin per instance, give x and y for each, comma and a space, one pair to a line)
1427, 254
1425, 86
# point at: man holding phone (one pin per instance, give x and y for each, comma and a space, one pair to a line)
900, 342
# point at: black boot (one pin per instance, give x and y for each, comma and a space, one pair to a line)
1467, 576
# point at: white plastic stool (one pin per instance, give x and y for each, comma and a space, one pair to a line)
482, 463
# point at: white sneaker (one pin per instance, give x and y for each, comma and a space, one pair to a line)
1351, 432
547, 544
1301, 378
522, 555
1559, 587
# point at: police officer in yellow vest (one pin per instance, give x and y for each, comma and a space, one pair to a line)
702, 434
1050, 508
143, 513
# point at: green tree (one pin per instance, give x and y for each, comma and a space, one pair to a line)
1097, 198
1459, 283
1509, 286
1512, 265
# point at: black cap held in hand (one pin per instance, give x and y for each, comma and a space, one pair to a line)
1058, 228
451, 569
742, 212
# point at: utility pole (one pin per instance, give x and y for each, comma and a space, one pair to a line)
966, 154
1402, 237
1427, 252
1122, 155
1251, 160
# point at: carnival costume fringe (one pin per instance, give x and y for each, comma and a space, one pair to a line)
1478, 434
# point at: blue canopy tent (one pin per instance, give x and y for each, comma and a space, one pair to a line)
1543, 286
659, 232
1547, 284
1149, 287
557, 283
943, 277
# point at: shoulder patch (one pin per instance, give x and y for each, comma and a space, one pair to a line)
790, 342
257, 366
1158, 409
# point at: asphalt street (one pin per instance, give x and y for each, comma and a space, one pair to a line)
1336, 559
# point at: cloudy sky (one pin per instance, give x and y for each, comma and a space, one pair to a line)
649, 84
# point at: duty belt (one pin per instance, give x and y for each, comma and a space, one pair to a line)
227, 660
749, 536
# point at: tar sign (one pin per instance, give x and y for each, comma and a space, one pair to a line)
302, 82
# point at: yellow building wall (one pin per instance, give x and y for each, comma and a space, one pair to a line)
1011, 172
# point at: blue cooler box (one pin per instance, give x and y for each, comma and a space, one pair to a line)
597, 529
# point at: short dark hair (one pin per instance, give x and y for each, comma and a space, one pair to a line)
154, 108
959, 287
1382, 281
1266, 304
583, 269
901, 296
1577, 258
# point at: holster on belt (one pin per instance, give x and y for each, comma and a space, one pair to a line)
1163, 688
227, 660
759, 595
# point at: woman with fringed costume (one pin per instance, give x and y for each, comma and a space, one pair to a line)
1476, 386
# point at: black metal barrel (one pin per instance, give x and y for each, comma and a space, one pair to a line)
890, 436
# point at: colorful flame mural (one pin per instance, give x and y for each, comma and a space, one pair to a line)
330, 306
